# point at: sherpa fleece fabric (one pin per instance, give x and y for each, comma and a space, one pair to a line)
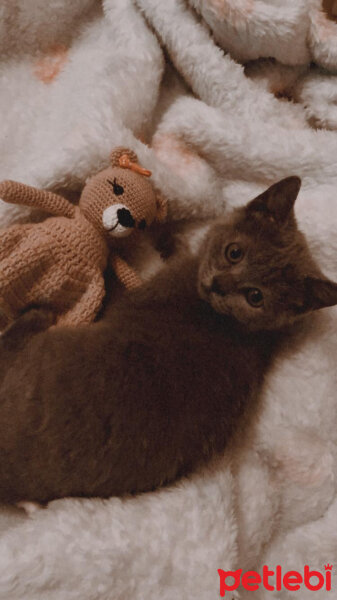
219, 98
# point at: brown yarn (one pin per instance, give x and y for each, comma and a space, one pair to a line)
117, 153
59, 263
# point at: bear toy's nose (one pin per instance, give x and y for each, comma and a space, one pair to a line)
118, 221
125, 218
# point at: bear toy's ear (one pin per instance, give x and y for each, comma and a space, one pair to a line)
161, 207
120, 151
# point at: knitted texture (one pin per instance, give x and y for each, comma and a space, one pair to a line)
139, 199
57, 263
138, 193
117, 153
18, 193
60, 263
125, 274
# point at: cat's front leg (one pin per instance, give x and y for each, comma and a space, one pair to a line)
15, 336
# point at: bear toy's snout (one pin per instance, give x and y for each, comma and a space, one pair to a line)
118, 220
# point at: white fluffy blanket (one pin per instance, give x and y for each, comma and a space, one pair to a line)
80, 77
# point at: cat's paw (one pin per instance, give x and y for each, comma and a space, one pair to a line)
30, 508
3, 322
28, 324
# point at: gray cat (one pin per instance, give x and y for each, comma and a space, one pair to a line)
158, 386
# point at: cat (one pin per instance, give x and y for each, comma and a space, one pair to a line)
159, 385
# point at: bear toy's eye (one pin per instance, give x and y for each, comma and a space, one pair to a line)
254, 297
118, 189
234, 253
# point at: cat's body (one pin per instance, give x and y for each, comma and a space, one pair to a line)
158, 386
136, 401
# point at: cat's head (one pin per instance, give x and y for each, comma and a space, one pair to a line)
256, 265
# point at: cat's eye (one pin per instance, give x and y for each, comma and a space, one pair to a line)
234, 253
254, 297
118, 189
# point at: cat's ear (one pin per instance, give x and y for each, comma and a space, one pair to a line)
320, 293
277, 201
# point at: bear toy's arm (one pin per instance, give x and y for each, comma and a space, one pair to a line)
88, 305
126, 275
19, 193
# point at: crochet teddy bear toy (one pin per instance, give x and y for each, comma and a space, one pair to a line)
60, 262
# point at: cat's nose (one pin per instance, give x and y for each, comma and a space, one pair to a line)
217, 287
